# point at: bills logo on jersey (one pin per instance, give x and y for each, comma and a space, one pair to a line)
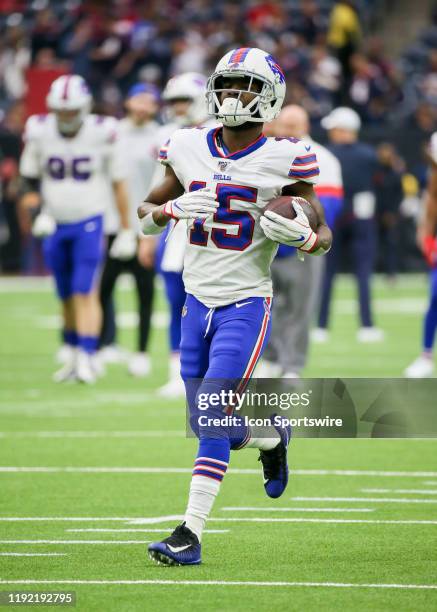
275, 68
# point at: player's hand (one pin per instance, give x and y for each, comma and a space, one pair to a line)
43, 226
198, 204
429, 249
293, 232
124, 246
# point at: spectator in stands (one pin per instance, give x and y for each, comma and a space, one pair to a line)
14, 60
411, 139
345, 34
10, 149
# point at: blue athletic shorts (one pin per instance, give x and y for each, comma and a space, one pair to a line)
73, 254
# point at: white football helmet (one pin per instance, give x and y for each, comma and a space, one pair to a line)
187, 86
256, 65
69, 93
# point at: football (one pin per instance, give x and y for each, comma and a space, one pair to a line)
283, 205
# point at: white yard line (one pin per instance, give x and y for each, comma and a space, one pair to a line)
414, 491
377, 500
14, 519
163, 530
15, 554
188, 470
75, 541
275, 509
264, 519
151, 433
406, 305
178, 517
382, 473
250, 583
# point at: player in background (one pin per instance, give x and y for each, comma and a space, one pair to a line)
185, 106
217, 183
355, 227
423, 366
71, 158
297, 284
137, 134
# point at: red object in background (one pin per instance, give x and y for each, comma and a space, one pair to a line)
38, 84
12, 6
430, 250
8, 169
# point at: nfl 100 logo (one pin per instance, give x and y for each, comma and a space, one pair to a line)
223, 165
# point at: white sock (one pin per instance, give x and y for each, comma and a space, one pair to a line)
203, 491
264, 438
175, 366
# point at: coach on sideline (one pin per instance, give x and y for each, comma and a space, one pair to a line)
355, 229
296, 283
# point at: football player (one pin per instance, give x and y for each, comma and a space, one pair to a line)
217, 183
71, 157
423, 366
137, 135
184, 98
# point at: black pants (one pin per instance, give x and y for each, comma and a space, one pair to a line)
360, 237
144, 281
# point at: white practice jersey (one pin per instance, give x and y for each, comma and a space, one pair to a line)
228, 257
76, 173
433, 147
139, 149
330, 177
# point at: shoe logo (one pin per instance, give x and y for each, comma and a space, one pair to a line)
176, 549
243, 304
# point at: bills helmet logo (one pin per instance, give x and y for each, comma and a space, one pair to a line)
275, 68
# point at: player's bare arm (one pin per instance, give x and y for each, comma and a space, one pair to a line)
168, 201
122, 202
305, 190
125, 245
168, 189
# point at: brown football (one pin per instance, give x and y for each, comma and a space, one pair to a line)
282, 205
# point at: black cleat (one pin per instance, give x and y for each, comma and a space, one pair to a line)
275, 466
182, 547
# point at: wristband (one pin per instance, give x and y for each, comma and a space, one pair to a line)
311, 244
168, 210
149, 227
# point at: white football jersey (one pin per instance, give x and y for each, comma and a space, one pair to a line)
139, 149
76, 173
228, 257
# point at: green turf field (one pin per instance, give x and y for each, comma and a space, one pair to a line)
95, 473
